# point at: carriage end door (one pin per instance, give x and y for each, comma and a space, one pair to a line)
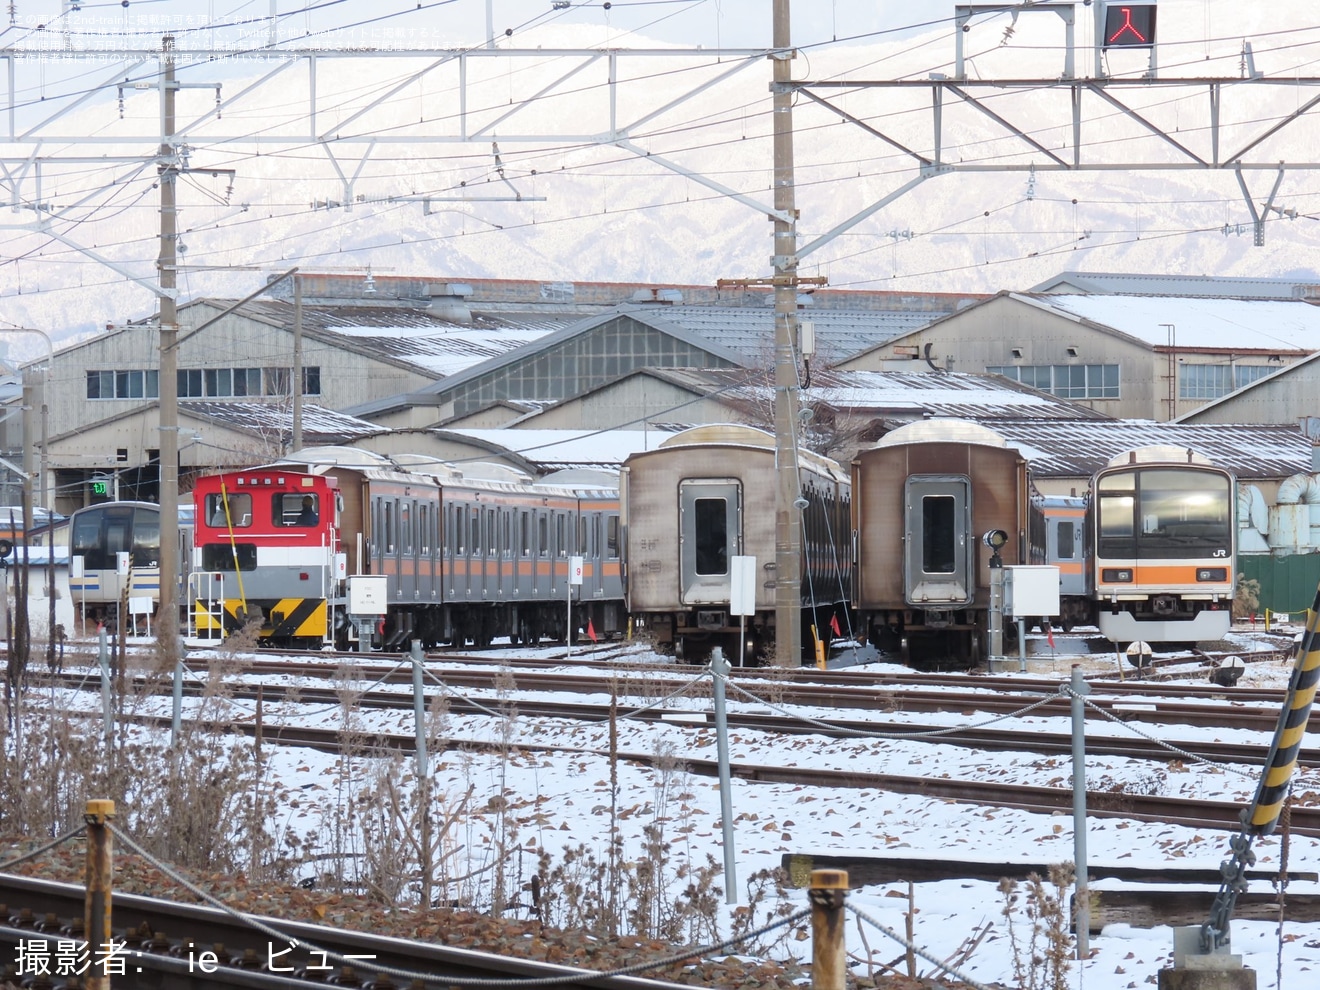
710, 533
940, 553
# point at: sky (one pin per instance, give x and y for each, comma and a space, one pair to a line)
576, 204
561, 801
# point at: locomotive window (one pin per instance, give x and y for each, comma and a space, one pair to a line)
240, 510
295, 509
938, 534
712, 535
612, 537
1067, 540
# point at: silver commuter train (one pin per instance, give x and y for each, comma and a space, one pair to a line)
99, 533
706, 495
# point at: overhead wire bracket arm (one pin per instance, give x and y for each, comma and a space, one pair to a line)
718, 187
1258, 216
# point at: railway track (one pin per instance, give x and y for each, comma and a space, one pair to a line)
1191, 812
165, 941
884, 703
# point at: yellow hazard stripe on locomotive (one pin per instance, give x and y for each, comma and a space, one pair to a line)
302, 617
1273, 790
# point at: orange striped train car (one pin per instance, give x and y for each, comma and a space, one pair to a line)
469, 554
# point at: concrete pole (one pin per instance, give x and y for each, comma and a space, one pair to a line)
297, 383
788, 528
168, 168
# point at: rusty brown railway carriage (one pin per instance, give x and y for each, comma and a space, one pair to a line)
923, 499
705, 496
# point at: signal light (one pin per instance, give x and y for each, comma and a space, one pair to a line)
1129, 25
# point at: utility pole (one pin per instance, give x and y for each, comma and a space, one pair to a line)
297, 383
168, 169
788, 514
788, 493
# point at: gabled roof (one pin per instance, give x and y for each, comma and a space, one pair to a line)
1078, 449
1237, 326
544, 451
320, 426
1111, 283
739, 335
408, 335
1201, 324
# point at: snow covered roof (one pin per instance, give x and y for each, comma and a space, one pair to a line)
1179, 285
547, 451
411, 335
320, 426
1078, 449
1237, 325
892, 394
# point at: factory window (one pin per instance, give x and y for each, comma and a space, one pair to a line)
123, 384
190, 384
1067, 381
277, 381
1211, 381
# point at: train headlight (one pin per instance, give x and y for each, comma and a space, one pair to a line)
1212, 574
994, 538
1116, 575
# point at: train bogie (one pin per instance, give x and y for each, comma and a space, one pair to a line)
705, 497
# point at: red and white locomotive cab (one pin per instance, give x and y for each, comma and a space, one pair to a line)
266, 546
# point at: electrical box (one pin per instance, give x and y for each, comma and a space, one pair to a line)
367, 594
1031, 590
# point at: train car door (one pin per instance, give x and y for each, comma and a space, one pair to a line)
710, 532
939, 554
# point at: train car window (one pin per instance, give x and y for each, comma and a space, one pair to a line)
612, 535
1066, 539
405, 527
561, 542
506, 544
389, 536
543, 544
582, 535
712, 530
474, 532
938, 533
295, 509
423, 529
146, 538
492, 531
239, 510
526, 541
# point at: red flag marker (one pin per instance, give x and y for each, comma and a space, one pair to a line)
834, 625
591, 631
1049, 635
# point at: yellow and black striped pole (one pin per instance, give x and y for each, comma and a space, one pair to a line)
1282, 761
1266, 807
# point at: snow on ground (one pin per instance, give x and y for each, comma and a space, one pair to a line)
561, 801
